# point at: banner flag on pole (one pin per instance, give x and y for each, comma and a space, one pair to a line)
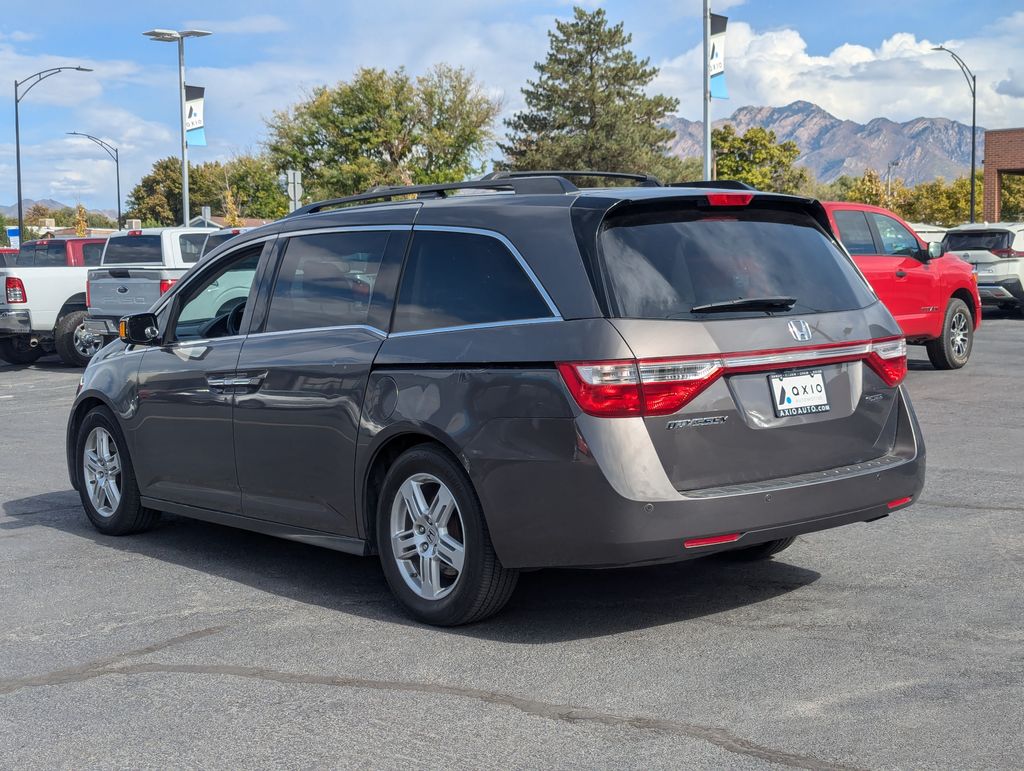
716, 57
195, 131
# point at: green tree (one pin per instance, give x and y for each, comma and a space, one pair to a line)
1012, 204
4, 240
252, 181
758, 159
588, 108
868, 189
385, 128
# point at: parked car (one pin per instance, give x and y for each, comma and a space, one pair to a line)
55, 252
471, 385
996, 252
928, 233
137, 267
934, 296
43, 307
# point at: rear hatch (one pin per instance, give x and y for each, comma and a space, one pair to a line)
756, 339
990, 251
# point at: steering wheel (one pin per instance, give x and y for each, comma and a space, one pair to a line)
234, 320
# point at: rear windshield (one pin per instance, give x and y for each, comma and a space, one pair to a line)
131, 250
43, 254
660, 264
212, 242
977, 240
191, 246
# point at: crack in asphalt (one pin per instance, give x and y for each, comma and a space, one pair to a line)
115, 665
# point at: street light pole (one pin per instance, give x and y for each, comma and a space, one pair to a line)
888, 180
170, 36
37, 78
972, 83
112, 152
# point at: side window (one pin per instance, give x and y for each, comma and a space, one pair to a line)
854, 232
326, 280
454, 279
213, 307
91, 254
191, 246
896, 239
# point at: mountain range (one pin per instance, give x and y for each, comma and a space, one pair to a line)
11, 212
925, 148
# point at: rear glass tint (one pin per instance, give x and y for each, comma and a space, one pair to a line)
977, 240
660, 263
91, 253
130, 250
191, 246
43, 254
212, 242
854, 232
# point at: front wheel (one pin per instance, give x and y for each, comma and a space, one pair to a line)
953, 348
16, 350
434, 545
107, 486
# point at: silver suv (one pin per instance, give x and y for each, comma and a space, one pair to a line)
473, 379
996, 250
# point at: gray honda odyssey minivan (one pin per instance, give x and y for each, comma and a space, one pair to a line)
478, 378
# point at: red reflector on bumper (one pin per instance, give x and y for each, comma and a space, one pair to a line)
711, 541
900, 501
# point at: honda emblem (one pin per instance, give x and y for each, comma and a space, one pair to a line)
800, 330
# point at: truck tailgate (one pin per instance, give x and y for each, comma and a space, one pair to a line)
116, 292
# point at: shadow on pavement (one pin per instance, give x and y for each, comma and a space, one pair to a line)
548, 606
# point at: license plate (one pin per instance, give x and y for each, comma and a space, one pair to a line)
798, 393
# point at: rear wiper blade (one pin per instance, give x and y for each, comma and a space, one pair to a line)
747, 304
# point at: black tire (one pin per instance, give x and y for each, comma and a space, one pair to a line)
130, 516
483, 586
761, 551
16, 350
953, 349
64, 339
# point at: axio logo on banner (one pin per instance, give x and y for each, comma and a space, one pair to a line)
716, 57
195, 129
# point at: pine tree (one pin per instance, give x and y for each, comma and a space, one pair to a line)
587, 109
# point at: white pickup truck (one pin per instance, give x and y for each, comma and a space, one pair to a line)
42, 301
138, 266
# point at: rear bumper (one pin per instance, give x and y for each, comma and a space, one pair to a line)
546, 514
15, 323
999, 292
101, 326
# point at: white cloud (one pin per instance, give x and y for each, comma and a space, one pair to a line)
246, 25
902, 78
18, 36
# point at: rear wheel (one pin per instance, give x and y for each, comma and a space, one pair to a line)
107, 486
434, 545
16, 350
761, 551
953, 349
74, 343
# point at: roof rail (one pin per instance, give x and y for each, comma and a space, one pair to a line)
645, 180
534, 185
725, 184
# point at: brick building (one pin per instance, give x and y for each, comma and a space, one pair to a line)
1004, 154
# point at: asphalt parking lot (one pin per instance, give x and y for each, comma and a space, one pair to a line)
894, 644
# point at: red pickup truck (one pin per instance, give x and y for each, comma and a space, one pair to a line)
55, 252
933, 296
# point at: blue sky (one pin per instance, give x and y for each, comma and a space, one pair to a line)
858, 60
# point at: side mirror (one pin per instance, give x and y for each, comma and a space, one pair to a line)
934, 249
139, 329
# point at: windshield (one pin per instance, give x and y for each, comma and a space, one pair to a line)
977, 240
661, 264
132, 250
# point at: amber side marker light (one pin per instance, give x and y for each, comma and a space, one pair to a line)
900, 502
713, 540
122, 329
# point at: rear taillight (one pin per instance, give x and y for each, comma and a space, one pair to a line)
617, 389
15, 290
1007, 253
167, 283
645, 387
730, 199
88, 295
888, 358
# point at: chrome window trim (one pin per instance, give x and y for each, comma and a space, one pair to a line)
508, 245
485, 325
281, 332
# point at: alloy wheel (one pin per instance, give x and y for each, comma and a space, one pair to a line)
85, 342
101, 471
959, 332
427, 536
